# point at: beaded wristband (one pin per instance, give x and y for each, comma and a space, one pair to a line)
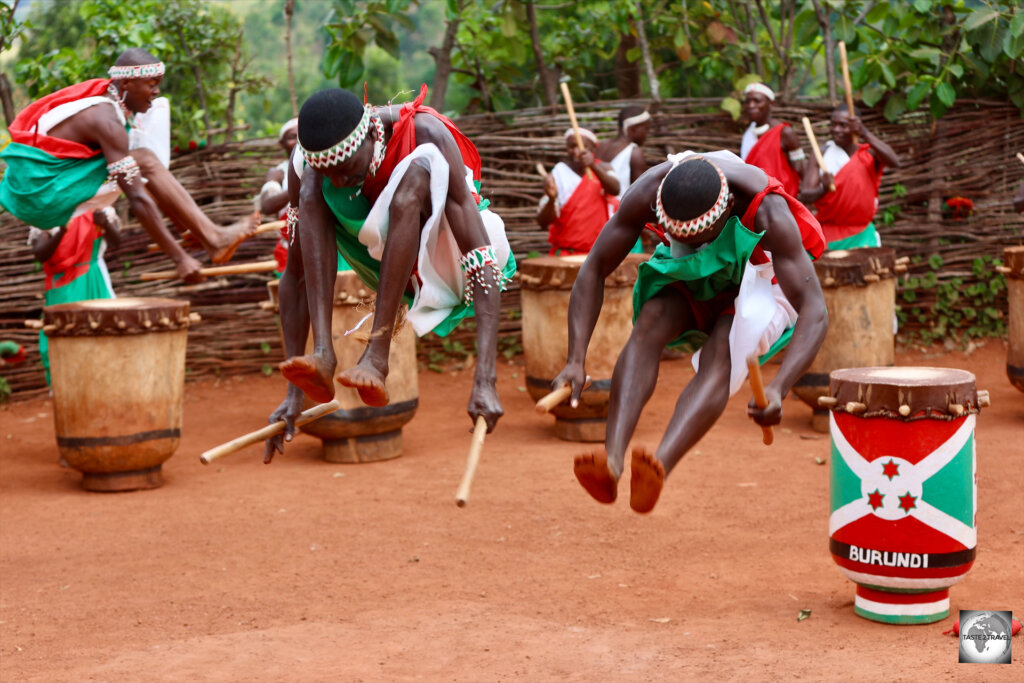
291, 223
126, 168
474, 263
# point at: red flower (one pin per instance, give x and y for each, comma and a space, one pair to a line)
962, 207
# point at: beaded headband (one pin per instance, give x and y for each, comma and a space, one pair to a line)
697, 225
344, 150
584, 133
635, 120
760, 88
124, 73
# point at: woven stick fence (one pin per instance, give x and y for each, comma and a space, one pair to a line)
969, 153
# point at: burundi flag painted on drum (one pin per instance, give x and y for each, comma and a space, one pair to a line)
902, 521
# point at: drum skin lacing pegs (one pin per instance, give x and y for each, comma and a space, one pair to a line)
956, 409
94, 323
194, 318
827, 401
983, 399
121, 324
855, 407
871, 277
164, 321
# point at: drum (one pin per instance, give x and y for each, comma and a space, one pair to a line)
546, 284
904, 493
118, 371
357, 432
860, 293
1013, 268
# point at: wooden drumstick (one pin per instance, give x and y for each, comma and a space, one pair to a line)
270, 227
1020, 157
476, 447
553, 399
305, 417
846, 82
760, 400
817, 150
572, 118
542, 172
238, 269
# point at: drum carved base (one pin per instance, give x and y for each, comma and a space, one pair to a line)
367, 448
135, 480
590, 430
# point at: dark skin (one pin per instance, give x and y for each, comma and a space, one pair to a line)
45, 244
580, 161
637, 134
666, 316
842, 127
307, 286
98, 127
272, 203
1018, 200
759, 109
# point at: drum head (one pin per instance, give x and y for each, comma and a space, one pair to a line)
904, 393
129, 315
559, 272
858, 267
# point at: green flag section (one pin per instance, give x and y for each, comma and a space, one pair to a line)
868, 237
44, 191
945, 490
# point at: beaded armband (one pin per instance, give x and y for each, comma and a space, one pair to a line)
474, 263
125, 168
291, 223
796, 155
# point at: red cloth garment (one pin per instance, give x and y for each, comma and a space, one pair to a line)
810, 231
403, 142
768, 155
74, 252
582, 217
23, 128
852, 206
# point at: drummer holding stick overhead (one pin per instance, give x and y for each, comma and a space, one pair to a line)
728, 229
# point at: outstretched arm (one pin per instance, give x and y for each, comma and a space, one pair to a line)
884, 154
796, 277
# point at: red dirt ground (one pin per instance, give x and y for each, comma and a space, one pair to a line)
308, 571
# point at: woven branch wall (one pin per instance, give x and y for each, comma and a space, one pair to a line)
969, 153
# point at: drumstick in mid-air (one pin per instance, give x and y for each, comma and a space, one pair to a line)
237, 269
1020, 157
241, 442
817, 150
476, 447
760, 400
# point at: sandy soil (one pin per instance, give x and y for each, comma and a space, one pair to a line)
308, 571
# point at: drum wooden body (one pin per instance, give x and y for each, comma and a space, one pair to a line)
860, 293
118, 371
546, 285
1013, 261
903, 487
358, 432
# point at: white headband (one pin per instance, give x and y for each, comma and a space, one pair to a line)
697, 225
289, 125
760, 88
584, 133
124, 73
634, 120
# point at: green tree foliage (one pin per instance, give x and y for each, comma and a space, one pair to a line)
199, 43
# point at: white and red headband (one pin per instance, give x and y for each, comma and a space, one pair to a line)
762, 89
694, 226
130, 71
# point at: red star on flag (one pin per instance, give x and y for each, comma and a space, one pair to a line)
907, 501
875, 499
890, 469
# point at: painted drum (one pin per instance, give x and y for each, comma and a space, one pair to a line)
860, 293
357, 432
1013, 268
903, 484
118, 371
546, 284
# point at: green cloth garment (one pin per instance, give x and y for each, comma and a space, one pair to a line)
868, 237
91, 285
44, 191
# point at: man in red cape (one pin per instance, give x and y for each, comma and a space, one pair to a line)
580, 195
772, 145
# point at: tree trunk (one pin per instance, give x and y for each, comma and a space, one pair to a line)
830, 49
197, 72
547, 80
229, 113
758, 61
443, 60
627, 74
645, 50
289, 10
6, 99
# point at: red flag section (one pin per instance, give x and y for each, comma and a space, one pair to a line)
23, 128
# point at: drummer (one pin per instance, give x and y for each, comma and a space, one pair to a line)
730, 229
625, 152
70, 154
273, 197
847, 214
580, 195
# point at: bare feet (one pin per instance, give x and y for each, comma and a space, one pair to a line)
591, 469
229, 237
306, 373
646, 480
368, 381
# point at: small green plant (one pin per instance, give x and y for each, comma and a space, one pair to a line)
265, 348
509, 346
5, 390
267, 369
